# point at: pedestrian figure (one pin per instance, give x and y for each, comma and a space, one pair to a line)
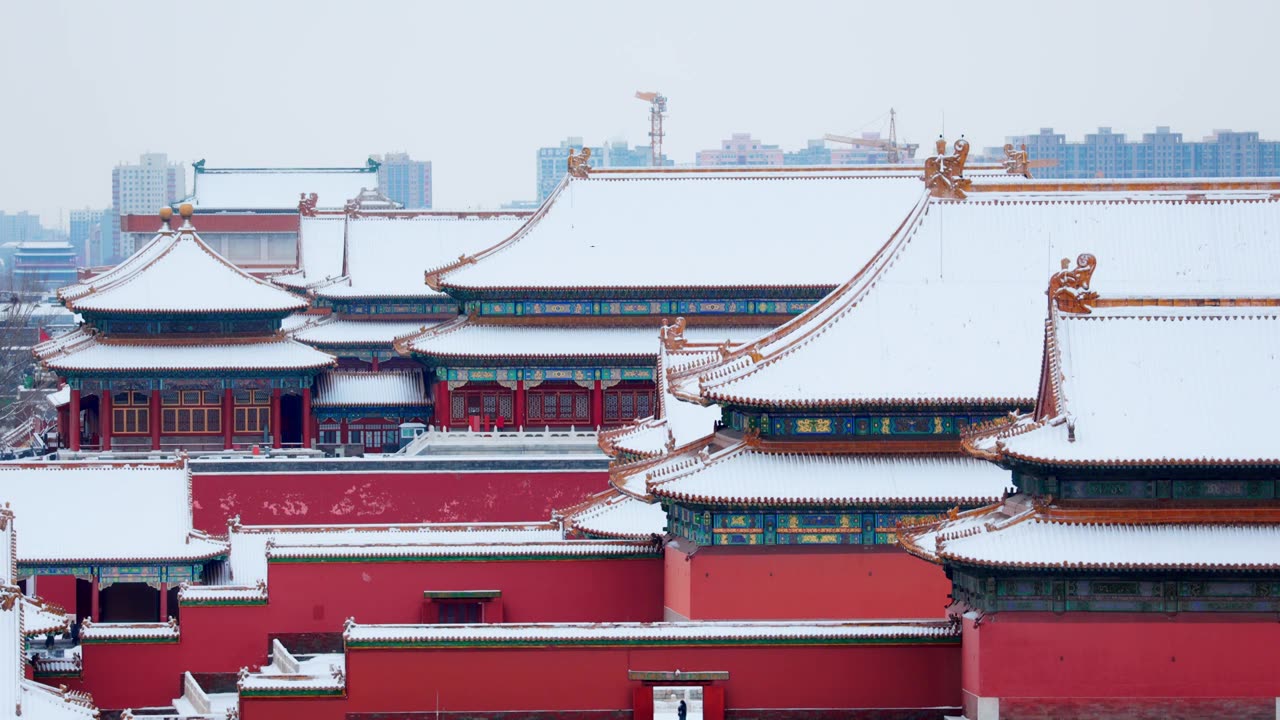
682, 710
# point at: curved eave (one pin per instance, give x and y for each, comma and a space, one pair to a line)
514, 357
282, 310
197, 557
986, 403
1090, 566
731, 501
53, 365
747, 291
1005, 454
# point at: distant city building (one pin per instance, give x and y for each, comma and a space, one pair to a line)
140, 189
818, 152
1159, 154
552, 160
20, 227
405, 180
741, 149
86, 231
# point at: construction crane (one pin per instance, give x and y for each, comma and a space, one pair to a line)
897, 153
657, 109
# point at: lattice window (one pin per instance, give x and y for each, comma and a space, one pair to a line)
253, 411
190, 412
458, 407
130, 414
460, 612
504, 406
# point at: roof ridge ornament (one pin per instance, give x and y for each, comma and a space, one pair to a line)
166, 214
577, 164
1069, 288
186, 210
944, 174
673, 334
307, 204
1015, 161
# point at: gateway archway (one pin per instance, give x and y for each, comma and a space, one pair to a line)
658, 693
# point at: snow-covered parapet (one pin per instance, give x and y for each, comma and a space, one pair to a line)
144, 632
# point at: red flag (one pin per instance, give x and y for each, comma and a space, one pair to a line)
44, 335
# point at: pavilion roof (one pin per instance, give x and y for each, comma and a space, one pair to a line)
949, 311
113, 512
1148, 385
386, 256
346, 388
321, 238
278, 188
177, 273
1019, 534
694, 228
464, 337
336, 332
744, 475
83, 350
614, 514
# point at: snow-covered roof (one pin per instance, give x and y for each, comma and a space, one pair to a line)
679, 422
248, 561
1120, 374
333, 331
1047, 537
338, 388
21, 616
320, 674
466, 338
615, 514
278, 188
742, 475
320, 241
951, 311
802, 227
388, 256
632, 633
177, 273
113, 512
83, 350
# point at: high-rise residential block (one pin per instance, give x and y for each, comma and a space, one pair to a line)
137, 189
405, 180
1162, 153
552, 161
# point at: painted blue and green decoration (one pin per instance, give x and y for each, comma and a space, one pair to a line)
714, 526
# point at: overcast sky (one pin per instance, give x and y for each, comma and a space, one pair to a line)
477, 87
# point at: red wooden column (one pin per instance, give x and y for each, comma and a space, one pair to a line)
164, 602
306, 418
441, 404
93, 597
275, 418
74, 418
342, 431
597, 405
154, 418
104, 418
375, 362
522, 400
228, 419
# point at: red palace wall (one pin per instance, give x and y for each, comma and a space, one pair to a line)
318, 597
820, 583
386, 497
579, 679
1085, 665
613, 590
